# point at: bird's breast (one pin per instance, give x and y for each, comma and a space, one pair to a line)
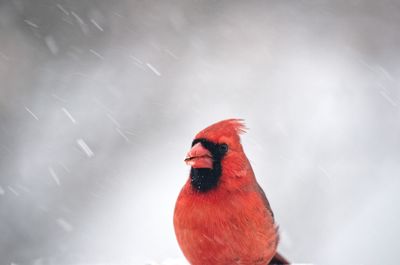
224, 228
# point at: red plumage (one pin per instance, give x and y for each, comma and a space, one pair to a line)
222, 216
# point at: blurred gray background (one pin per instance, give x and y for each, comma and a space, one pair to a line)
100, 100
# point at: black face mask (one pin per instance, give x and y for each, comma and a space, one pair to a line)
205, 179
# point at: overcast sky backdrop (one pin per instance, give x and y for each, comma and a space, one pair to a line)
100, 100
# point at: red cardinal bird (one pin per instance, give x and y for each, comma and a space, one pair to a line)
222, 216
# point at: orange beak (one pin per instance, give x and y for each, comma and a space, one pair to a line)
199, 157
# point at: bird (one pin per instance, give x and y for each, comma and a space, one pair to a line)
222, 216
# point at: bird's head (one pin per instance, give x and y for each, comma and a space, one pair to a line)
217, 155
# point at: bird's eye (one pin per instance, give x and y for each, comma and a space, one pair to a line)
223, 148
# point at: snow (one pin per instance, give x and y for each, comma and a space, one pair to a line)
66, 226
152, 68
30, 23
85, 148
96, 54
13, 190
31, 112
62, 9
68, 114
51, 44
388, 98
99, 102
54, 176
123, 135
94, 22
82, 24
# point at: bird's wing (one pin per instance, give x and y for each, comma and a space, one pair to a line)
266, 202
278, 260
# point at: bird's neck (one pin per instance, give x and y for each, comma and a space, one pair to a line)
205, 179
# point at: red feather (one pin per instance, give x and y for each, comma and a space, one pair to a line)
231, 223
